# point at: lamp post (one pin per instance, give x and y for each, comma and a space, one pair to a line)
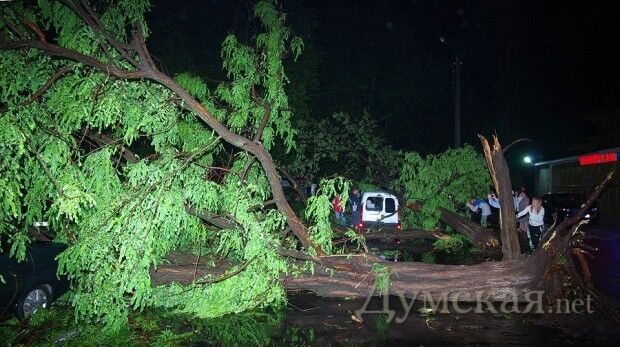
457, 92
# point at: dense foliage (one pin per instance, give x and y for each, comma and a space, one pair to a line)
121, 218
344, 145
447, 180
122, 214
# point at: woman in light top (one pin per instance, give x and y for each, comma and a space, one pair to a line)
535, 223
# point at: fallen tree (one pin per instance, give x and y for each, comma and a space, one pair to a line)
121, 221
482, 238
494, 281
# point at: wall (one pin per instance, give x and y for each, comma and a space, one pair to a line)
573, 178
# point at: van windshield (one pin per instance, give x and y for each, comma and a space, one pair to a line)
374, 203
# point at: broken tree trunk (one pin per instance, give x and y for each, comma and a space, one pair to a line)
480, 237
500, 175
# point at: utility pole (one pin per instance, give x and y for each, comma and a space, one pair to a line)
457, 90
457, 101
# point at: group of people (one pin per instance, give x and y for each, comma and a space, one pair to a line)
355, 201
530, 215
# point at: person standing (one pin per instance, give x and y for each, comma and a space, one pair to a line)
356, 207
338, 210
485, 210
523, 203
313, 187
516, 199
535, 221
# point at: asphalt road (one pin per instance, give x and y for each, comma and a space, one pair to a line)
605, 266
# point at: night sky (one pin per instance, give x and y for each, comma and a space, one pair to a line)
544, 70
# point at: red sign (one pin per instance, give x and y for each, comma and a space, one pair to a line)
597, 158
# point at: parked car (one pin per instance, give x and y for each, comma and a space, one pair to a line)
565, 205
379, 211
32, 284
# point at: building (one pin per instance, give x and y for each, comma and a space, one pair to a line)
580, 174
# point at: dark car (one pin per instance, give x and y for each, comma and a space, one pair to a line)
565, 205
33, 283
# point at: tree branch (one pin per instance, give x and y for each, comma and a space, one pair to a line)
84, 11
57, 75
62, 52
515, 142
104, 140
37, 155
298, 190
263, 123
140, 46
227, 276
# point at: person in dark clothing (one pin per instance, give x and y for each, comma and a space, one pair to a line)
356, 207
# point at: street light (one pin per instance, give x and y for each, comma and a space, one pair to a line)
527, 159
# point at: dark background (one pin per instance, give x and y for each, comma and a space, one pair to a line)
544, 70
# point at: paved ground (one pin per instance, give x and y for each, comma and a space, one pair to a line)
605, 266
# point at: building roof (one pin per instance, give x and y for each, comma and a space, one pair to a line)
574, 158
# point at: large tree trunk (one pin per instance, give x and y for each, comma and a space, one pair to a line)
500, 174
337, 276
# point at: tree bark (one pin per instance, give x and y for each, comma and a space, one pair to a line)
500, 174
481, 238
406, 235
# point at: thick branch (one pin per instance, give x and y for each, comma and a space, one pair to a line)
62, 52
140, 46
294, 184
217, 221
263, 123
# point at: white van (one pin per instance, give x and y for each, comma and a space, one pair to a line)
379, 211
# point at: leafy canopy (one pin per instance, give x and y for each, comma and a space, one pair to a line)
122, 217
447, 180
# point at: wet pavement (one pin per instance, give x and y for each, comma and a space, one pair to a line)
605, 266
312, 320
